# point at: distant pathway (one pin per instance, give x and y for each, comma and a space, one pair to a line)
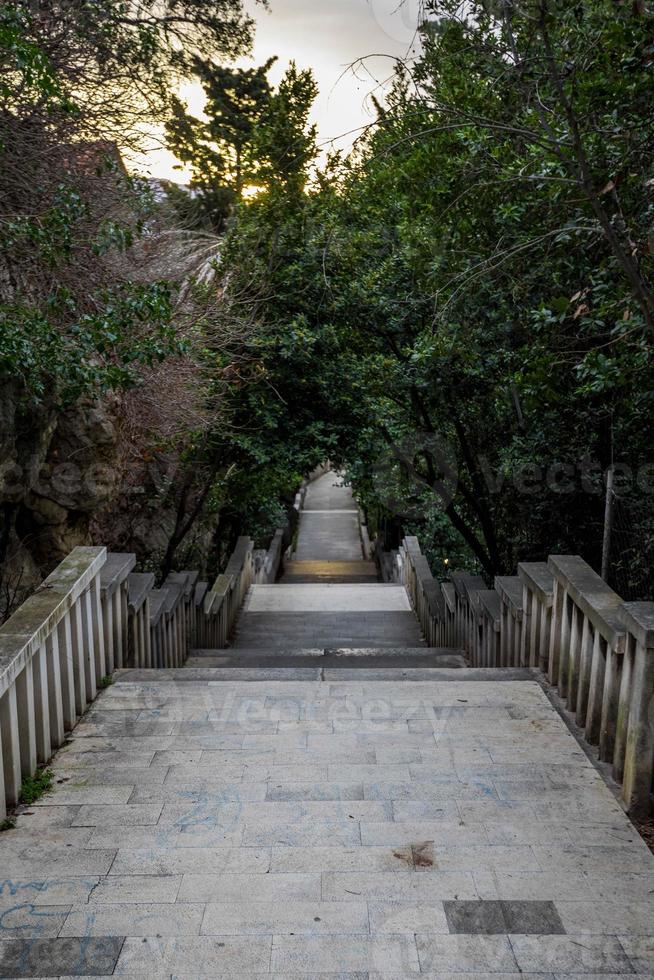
329, 597
329, 523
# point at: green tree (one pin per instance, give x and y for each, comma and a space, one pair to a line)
220, 151
285, 143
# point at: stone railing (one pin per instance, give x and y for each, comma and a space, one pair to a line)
561, 618
52, 655
94, 615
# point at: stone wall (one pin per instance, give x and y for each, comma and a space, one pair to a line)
65, 481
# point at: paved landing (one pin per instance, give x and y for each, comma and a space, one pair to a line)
337, 828
329, 536
329, 492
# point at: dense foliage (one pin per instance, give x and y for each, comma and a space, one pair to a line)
79, 80
463, 312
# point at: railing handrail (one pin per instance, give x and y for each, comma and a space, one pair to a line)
53, 599
590, 593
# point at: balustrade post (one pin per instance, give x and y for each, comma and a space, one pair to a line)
526, 638
110, 644
638, 618
67, 670
3, 794
88, 646
544, 641
610, 698
174, 626
624, 702
181, 646
121, 617
595, 689
10, 741
26, 719
579, 628
557, 631
537, 612
79, 670
147, 642
570, 637
161, 642
504, 635
585, 671
97, 630
42, 706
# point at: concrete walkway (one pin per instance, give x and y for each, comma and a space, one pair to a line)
339, 827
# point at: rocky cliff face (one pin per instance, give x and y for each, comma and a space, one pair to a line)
65, 481
57, 469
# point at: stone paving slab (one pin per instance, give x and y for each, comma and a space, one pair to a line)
57, 957
430, 827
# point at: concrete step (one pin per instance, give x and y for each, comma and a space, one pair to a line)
337, 659
334, 572
210, 675
327, 630
327, 598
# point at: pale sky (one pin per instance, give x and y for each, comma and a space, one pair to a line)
327, 36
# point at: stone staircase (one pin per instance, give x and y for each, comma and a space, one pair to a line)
324, 811
308, 616
329, 607
326, 619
